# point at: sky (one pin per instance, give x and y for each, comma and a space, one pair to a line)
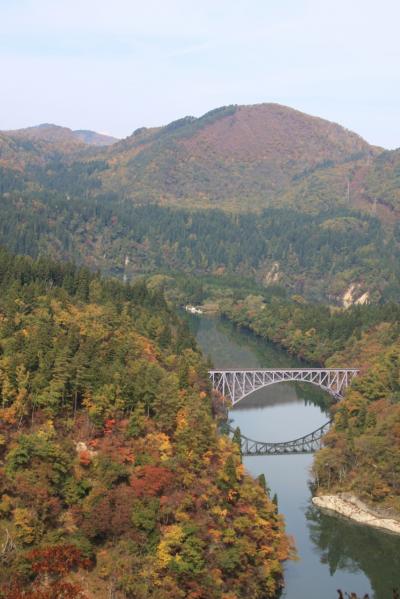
116, 66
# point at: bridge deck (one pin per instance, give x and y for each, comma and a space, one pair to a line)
222, 370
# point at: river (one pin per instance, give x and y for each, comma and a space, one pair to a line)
333, 552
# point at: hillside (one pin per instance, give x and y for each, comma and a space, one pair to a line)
315, 206
56, 134
114, 480
232, 157
29, 150
371, 185
331, 255
243, 157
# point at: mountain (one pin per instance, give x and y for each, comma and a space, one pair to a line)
302, 202
232, 157
57, 134
38, 146
94, 139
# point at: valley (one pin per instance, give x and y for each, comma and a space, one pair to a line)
113, 462
333, 552
312, 206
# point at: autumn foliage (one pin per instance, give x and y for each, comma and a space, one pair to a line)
113, 476
361, 453
49, 567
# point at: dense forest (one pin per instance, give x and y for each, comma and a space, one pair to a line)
233, 157
313, 332
114, 481
318, 255
263, 191
361, 453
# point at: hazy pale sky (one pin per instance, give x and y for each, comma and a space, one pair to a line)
113, 66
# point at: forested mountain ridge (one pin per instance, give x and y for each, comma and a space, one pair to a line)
371, 185
113, 479
57, 134
25, 151
233, 157
239, 157
301, 202
251, 157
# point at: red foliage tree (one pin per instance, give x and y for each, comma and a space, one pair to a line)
150, 481
50, 565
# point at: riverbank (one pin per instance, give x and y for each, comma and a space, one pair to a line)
351, 507
208, 309
333, 552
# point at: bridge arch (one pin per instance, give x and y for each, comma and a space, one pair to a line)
238, 384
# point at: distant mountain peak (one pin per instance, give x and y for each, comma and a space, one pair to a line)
235, 157
261, 130
46, 126
50, 132
92, 138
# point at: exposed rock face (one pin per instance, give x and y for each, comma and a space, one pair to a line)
351, 507
85, 453
273, 275
354, 295
363, 299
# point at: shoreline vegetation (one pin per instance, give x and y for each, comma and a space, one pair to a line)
336, 540
361, 452
353, 508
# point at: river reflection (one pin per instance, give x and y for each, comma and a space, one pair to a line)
344, 545
333, 552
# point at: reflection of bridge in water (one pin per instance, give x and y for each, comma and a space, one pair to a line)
238, 384
307, 444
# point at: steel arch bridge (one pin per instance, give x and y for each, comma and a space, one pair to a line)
306, 444
238, 384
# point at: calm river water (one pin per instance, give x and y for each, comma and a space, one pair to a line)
333, 552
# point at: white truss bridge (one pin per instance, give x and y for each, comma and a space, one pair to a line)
238, 384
